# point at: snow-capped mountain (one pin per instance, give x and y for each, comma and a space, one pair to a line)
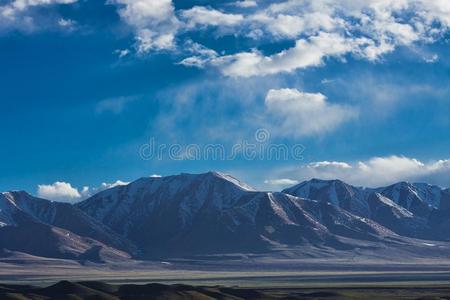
433, 195
419, 198
182, 195
414, 210
213, 213
363, 202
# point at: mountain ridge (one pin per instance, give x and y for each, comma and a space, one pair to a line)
216, 214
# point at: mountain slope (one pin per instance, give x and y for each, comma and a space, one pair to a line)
183, 195
409, 197
214, 213
49, 241
415, 210
395, 217
336, 192
38, 226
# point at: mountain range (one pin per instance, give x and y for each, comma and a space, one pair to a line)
195, 215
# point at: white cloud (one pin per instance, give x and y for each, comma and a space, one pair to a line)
67, 23
105, 185
431, 59
305, 53
155, 176
284, 24
301, 114
65, 192
246, 3
11, 9
321, 28
436, 10
330, 164
16, 14
365, 29
122, 52
154, 22
281, 182
201, 55
376, 171
327, 81
199, 15
59, 191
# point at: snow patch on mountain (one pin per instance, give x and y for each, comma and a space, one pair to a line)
278, 209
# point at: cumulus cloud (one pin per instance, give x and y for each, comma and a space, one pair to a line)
376, 171
153, 21
59, 191
65, 192
301, 114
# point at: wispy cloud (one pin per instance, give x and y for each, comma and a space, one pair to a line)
297, 113
17, 14
114, 105
281, 182
246, 3
203, 16
67, 24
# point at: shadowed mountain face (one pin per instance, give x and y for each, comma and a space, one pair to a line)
200, 213
415, 210
51, 229
214, 213
419, 198
336, 192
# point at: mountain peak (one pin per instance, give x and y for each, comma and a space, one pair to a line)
324, 180
316, 183
213, 177
402, 184
229, 178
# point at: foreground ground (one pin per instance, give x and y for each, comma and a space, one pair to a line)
236, 277
101, 290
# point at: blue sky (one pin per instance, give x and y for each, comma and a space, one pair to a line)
362, 85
